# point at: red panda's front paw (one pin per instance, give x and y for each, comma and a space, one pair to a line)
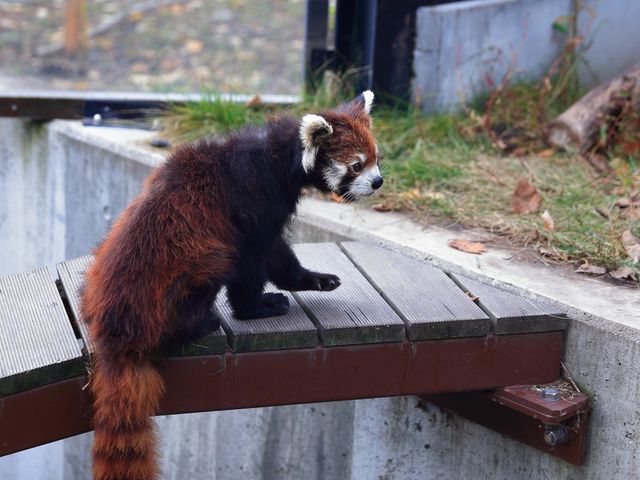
323, 282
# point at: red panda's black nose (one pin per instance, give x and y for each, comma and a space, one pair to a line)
376, 183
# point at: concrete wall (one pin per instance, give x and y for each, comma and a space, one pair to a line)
460, 45
66, 195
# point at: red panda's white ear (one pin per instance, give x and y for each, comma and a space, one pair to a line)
313, 129
367, 95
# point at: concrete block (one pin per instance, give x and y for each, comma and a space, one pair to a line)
465, 48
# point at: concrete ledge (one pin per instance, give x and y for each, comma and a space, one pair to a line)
606, 306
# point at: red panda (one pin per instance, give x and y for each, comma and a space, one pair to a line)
212, 215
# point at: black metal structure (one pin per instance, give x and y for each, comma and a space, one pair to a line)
377, 36
108, 108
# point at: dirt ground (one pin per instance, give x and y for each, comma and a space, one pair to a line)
242, 46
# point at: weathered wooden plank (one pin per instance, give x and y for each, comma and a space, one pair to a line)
293, 330
37, 341
513, 313
424, 296
355, 312
71, 275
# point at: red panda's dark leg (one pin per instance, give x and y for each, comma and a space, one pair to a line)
195, 315
246, 291
285, 271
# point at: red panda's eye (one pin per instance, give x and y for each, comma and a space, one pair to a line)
356, 167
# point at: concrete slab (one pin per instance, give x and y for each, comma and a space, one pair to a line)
460, 45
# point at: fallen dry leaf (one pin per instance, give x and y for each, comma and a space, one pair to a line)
254, 101
623, 203
472, 296
631, 245
519, 152
434, 195
624, 273
546, 153
413, 194
193, 46
526, 198
591, 269
381, 207
553, 254
136, 16
467, 246
634, 213
549, 224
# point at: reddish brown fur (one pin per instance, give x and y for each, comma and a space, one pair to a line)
212, 215
164, 235
352, 134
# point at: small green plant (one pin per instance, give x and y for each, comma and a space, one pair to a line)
212, 115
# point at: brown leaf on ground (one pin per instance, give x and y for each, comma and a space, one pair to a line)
526, 198
193, 46
631, 245
624, 273
519, 152
546, 153
549, 224
254, 101
634, 213
381, 207
623, 203
413, 194
467, 246
590, 269
553, 254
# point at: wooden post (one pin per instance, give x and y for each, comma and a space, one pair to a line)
75, 28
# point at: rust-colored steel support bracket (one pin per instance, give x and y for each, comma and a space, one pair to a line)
551, 417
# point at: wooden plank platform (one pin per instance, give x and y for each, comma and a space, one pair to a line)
424, 296
71, 275
293, 330
513, 313
355, 312
37, 341
396, 326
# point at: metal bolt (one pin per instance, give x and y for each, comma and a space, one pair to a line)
555, 435
551, 394
97, 119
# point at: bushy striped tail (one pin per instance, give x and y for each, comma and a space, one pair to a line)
126, 394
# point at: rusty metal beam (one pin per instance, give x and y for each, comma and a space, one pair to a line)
256, 379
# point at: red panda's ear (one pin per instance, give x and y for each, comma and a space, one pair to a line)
362, 103
367, 97
313, 130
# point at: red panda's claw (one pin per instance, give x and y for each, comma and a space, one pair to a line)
326, 282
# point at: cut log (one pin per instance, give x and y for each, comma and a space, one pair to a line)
578, 127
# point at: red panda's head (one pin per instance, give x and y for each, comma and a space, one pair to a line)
339, 151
